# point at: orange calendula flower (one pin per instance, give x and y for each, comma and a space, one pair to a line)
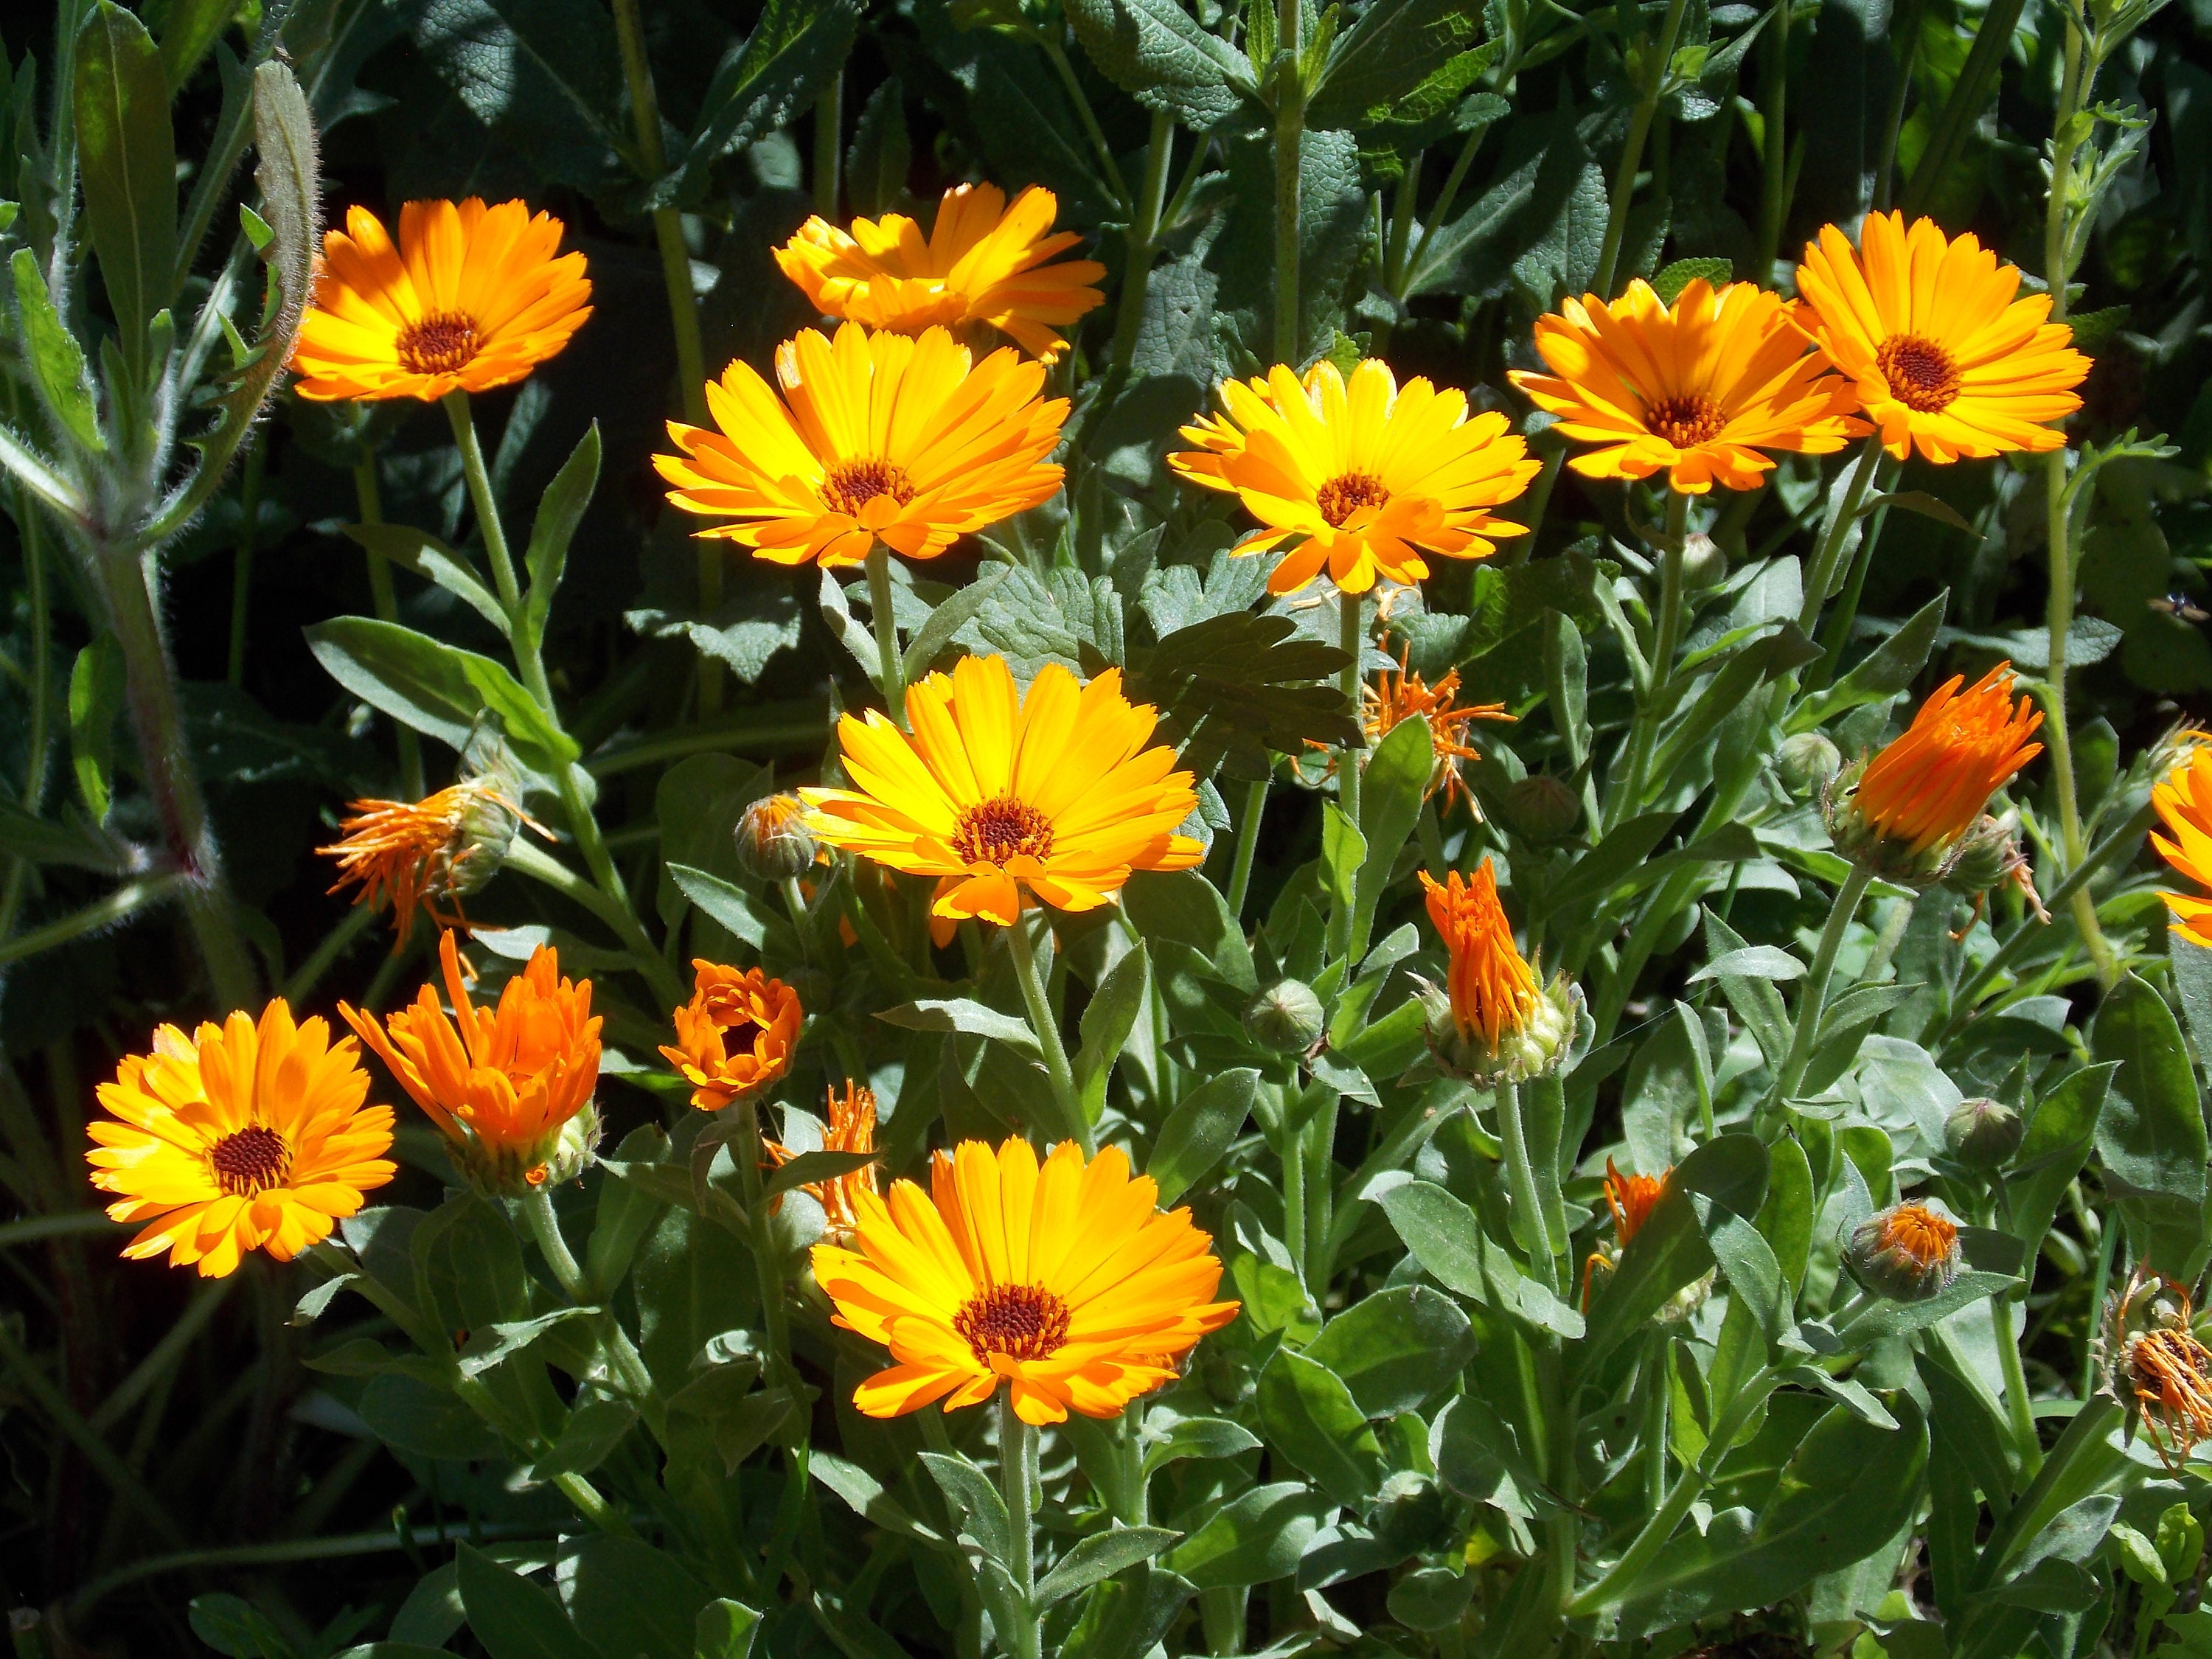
2184, 799
1940, 354
1056, 795
1907, 1252
851, 1117
1632, 1198
877, 438
735, 1036
472, 297
1065, 1281
411, 855
249, 1135
1700, 390
1366, 475
1493, 1023
1928, 787
982, 262
511, 1088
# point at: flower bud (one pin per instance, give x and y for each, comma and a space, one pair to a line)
1532, 1048
1704, 564
1984, 1133
1806, 762
1541, 807
487, 821
1986, 854
773, 840
1906, 1252
1285, 1017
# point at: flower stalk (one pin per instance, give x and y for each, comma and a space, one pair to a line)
1074, 1124
1631, 150
1814, 997
370, 501
1142, 240
1290, 139
1651, 708
1017, 1449
882, 614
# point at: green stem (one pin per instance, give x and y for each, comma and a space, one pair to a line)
1015, 1447
1352, 639
1969, 94
828, 145
350, 927
1907, 33
1521, 1181
1651, 708
489, 523
1656, 1393
241, 569
30, 530
1631, 151
1086, 115
1774, 194
1398, 250
1073, 1123
1814, 996
371, 506
1320, 1145
1289, 133
34, 1229
1248, 845
1821, 578
1142, 240
1836, 635
545, 1228
102, 913
768, 1265
1445, 198
883, 619
2019, 1409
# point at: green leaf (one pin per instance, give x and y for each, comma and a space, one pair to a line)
425, 557
1199, 1130
1235, 689
1196, 1437
966, 1015
596, 1426
404, 1410
976, 1500
1182, 906
1673, 278
487, 1344
1394, 46
1452, 1248
2151, 1137
930, 640
1395, 1348
864, 1495
794, 49
544, 75
56, 359
1612, 861
1756, 1002
127, 158
725, 1630
191, 29
625, 1214
1396, 783
1107, 1019
511, 1616
1258, 1537
1160, 55
1888, 669
1766, 962
233, 1625
727, 902
809, 1168
560, 510
95, 698
1098, 1557
1671, 1249
877, 166
2061, 1131
626, 1597
437, 689
1920, 501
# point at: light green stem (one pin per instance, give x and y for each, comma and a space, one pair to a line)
1111, 169
1820, 579
102, 913
1290, 132
1774, 148
1628, 800
1141, 241
1812, 1000
545, 1228
1631, 151
1521, 1181
1248, 845
885, 621
748, 1155
1015, 1437
1073, 1123
1445, 198
1352, 639
370, 501
828, 145
2019, 1409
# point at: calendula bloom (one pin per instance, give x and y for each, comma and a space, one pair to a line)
1940, 353
852, 1128
982, 262
1907, 1252
735, 1036
246, 1136
1057, 795
472, 297
1065, 1281
877, 438
1368, 476
1700, 390
1913, 803
1632, 1198
412, 854
1493, 1022
2184, 799
2167, 1371
511, 1088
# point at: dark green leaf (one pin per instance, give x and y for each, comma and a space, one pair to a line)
794, 49
1199, 1130
1257, 1537
437, 689
2151, 1137
1395, 1348
725, 1630
626, 1597
877, 166
1098, 1557
1234, 688
560, 510
1391, 51
1159, 53
1312, 1419
511, 1616
432, 560
127, 158
1888, 669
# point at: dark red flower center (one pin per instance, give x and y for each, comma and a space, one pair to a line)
251, 1160
850, 485
1020, 1322
999, 830
1922, 374
1340, 497
1685, 420
443, 342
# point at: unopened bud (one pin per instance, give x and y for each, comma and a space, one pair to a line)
1704, 564
1986, 854
1284, 1018
1906, 1252
773, 842
1806, 762
1984, 1133
1541, 807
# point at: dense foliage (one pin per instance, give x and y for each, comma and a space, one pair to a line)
1676, 1103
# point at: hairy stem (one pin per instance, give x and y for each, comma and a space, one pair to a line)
1814, 996
1142, 240
883, 617
1351, 637
1073, 1121
1289, 134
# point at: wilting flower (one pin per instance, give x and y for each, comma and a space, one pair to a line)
735, 1036
1370, 476
1941, 354
1401, 695
1056, 795
241, 1137
2184, 799
1066, 1281
1492, 1023
877, 438
2166, 1369
511, 1088
982, 262
414, 854
1700, 389
851, 1129
473, 297
1903, 813
1907, 1252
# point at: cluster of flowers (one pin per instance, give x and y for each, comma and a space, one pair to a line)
894, 432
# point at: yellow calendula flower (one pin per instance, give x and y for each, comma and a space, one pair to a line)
1056, 795
471, 297
1367, 476
1699, 390
735, 1036
981, 262
505, 1083
1065, 1281
1915, 800
876, 438
1940, 354
2184, 799
852, 1128
413, 855
249, 1135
